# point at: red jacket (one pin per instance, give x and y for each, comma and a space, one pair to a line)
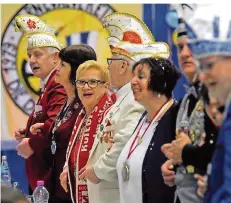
50, 103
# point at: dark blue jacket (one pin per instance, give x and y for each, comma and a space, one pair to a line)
219, 185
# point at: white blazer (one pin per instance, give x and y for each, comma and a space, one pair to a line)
126, 113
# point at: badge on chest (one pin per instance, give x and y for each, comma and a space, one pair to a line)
38, 109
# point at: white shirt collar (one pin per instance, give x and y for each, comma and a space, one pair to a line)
44, 82
123, 90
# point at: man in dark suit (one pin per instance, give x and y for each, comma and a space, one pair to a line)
42, 50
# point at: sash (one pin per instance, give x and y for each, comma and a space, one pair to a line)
80, 144
107, 123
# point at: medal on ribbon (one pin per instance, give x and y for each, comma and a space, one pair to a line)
125, 172
53, 147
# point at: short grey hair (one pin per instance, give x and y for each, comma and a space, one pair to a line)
130, 61
52, 50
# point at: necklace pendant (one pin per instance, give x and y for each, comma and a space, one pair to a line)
53, 147
125, 172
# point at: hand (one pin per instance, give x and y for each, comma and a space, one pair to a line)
108, 134
24, 149
108, 137
166, 149
36, 128
109, 128
89, 174
177, 147
82, 174
19, 134
202, 184
168, 174
63, 179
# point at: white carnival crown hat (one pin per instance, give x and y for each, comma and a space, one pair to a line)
37, 32
130, 37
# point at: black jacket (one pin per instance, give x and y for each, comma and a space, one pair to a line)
154, 189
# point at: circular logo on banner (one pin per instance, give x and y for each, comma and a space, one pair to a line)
74, 24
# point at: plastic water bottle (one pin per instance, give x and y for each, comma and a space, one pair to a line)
40, 194
5, 172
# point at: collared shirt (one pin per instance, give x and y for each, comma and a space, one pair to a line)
123, 90
44, 82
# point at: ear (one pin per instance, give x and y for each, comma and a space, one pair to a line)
123, 68
56, 58
106, 85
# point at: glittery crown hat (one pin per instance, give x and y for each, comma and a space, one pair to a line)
210, 30
37, 32
130, 37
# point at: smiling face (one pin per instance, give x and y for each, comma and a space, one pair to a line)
63, 71
42, 61
90, 96
217, 78
140, 83
186, 60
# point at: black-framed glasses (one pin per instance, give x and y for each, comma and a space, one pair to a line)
205, 67
109, 60
91, 83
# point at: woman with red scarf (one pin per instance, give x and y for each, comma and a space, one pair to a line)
92, 82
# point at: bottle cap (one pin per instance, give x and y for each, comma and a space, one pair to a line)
15, 185
4, 157
40, 183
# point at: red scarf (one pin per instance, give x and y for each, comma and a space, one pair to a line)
80, 144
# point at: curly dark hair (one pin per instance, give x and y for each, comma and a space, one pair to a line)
76, 55
163, 75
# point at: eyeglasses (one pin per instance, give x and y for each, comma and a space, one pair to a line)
91, 83
205, 67
109, 60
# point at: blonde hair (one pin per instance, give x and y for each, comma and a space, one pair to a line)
91, 64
